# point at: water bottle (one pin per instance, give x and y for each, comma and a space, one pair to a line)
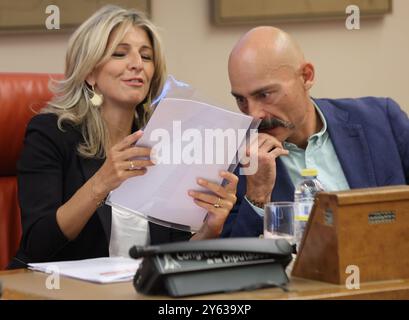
304, 200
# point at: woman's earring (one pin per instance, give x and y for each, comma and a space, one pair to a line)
97, 99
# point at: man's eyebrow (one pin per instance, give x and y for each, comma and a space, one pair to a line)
236, 95
263, 89
257, 91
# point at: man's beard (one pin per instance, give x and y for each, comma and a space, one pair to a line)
272, 123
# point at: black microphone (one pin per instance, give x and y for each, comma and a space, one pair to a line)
137, 252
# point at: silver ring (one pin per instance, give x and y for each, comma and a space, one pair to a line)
217, 204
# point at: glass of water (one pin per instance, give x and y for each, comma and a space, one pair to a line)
279, 221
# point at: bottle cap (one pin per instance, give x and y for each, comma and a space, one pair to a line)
309, 172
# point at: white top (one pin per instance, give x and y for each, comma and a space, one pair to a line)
127, 230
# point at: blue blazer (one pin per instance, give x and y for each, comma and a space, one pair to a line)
371, 139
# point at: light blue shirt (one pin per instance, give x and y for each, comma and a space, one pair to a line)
319, 154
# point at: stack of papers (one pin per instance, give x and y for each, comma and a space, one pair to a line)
99, 270
192, 140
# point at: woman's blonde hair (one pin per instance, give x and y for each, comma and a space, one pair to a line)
87, 49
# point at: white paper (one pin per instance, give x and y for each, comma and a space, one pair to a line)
100, 270
162, 193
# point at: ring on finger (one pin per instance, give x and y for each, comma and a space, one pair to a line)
217, 204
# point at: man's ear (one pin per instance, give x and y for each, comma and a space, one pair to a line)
308, 74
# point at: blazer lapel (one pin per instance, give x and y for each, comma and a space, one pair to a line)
350, 145
89, 167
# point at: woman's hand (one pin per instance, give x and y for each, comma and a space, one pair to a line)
218, 204
118, 165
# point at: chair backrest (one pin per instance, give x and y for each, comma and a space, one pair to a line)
21, 96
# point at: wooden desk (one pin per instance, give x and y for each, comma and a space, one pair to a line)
25, 284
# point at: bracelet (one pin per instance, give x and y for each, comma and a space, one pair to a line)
99, 202
258, 204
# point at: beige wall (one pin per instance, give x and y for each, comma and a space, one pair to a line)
371, 61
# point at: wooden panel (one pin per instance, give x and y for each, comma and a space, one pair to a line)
24, 284
381, 194
31, 14
318, 253
371, 234
271, 11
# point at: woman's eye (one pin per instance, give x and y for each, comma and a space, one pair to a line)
146, 57
119, 54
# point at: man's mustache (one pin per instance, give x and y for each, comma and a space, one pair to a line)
271, 123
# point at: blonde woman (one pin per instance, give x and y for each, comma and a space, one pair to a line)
79, 148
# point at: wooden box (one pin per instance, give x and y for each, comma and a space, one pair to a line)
367, 228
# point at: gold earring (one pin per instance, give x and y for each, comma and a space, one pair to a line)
97, 99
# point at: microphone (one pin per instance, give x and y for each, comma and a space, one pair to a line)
137, 252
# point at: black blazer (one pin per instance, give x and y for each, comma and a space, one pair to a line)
50, 171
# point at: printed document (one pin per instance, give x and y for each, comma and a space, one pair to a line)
191, 140
99, 270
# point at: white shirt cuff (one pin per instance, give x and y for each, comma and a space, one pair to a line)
258, 210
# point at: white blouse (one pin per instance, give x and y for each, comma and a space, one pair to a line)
127, 230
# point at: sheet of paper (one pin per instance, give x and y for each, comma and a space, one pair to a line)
100, 270
192, 151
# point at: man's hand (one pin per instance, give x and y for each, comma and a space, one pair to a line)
261, 184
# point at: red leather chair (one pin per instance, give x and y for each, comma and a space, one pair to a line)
21, 96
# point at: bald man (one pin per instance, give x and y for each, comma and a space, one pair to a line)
354, 143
